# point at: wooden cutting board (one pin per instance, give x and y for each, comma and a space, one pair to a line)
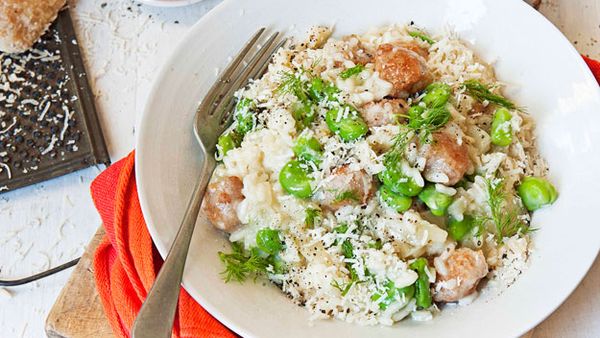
78, 312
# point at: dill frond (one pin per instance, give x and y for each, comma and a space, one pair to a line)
239, 265
341, 229
483, 92
349, 195
422, 36
505, 218
428, 122
315, 63
290, 84
422, 126
348, 73
343, 287
479, 223
312, 217
347, 249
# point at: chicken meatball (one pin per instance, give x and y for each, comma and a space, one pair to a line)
404, 68
346, 187
447, 161
221, 201
458, 274
383, 112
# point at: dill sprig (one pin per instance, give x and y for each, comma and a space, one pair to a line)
430, 120
314, 65
422, 125
239, 265
504, 218
422, 36
291, 83
482, 92
312, 217
348, 252
347, 249
397, 150
348, 195
345, 287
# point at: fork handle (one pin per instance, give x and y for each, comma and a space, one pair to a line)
155, 319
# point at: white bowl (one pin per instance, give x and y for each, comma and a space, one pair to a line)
529, 53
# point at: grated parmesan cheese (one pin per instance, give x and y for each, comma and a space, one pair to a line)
383, 241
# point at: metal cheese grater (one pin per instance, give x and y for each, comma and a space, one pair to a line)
48, 122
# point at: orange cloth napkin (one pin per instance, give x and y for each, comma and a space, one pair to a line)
126, 262
594, 67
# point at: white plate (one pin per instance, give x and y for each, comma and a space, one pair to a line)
529, 53
169, 3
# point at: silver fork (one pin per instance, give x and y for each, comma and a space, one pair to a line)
213, 117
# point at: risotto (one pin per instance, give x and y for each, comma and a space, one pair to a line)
376, 177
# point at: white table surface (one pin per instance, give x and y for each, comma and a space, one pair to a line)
125, 44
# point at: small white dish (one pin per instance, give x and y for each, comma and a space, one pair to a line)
529, 53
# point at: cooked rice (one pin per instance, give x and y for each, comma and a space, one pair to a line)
314, 263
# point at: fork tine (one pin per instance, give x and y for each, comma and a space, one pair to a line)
228, 72
264, 64
213, 95
256, 63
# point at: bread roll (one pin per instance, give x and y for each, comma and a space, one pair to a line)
22, 22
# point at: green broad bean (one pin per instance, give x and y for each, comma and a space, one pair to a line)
341, 229
245, 124
429, 118
396, 177
278, 264
244, 104
415, 112
330, 92
319, 90
536, 192
316, 88
308, 148
423, 293
268, 241
398, 202
347, 249
295, 179
459, 229
348, 128
303, 113
437, 95
437, 202
501, 132
244, 115
227, 142
331, 120
392, 294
